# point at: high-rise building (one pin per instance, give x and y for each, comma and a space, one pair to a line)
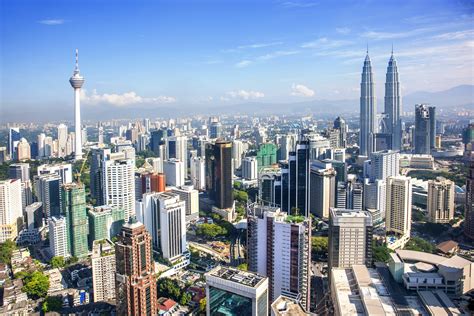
235, 292
105, 222
136, 292
190, 196
156, 140
374, 200
119, 185
368, 110
469, 206
354, 195
97, 164
23, 150
198, 173
237, 153
64, 170
279, 248
384, 164
73, 200
322, 189
14, 137
398, 210
286, 145
295, 180
269, 186
266, 155
11, 214
22, 171
219, 173
425, 129
48, 191
249, 168
440, 200
76, 82
34, 216
58, 236
103, 270
215, 130
174, 172
40, 140
393, 104
340, 124
350, 238
62, 140
177, 148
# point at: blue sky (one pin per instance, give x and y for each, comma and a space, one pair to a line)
223, 52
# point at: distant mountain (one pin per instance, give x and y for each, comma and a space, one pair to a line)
456, 96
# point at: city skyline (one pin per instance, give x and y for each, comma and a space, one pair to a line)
199, 55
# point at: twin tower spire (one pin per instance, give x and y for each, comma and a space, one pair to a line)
368, 109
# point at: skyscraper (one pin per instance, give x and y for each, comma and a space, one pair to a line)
340, 124
103, 270
190, 196
105, 222
279, 248
58, 239
249, 168
76, 82
219, 173
23, 150
11, 215
398, 211
14, 137
469, 206
136, 292
177, 148
48, 191
368, 110
230, 291
198, 173
440, 200
62, 140
393, 103
322, 190
174, 172
119, 185
350, 238
73, 199
425, 129
384, 164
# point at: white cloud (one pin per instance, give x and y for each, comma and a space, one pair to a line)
278, 53
298, 4
301, 90
259, 45
52, 22
243, 95
325, 43
124, 99
343, 30
243, 63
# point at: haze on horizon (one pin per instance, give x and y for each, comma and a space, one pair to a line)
175, 54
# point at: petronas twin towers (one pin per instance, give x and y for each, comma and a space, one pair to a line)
368, 109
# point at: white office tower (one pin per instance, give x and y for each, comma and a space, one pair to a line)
177, 148
384, 164
164, 216
249, 168
322, 186
70, 144
21, 171
62, 140
156, 163
368, 110
286, 143
398, 211
318, 146
350, 238
174, 172
40, 140
48, 146
11, 213
237, 153
440, 200
230, 291
58, 244
393, 104
279, 247
190, 196
119, 185
23, 150
374, 200
76, 82
64, 170
103, 270
198, 173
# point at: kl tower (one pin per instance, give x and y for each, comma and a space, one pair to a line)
76, 82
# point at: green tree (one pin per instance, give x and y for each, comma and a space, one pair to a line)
419, 244
72, 260
241, 196
243, 266
36, 285
380, 253
319, 246
52, 303
184, 299
169, 288
6, 250
58, 262
210, 230
202, 304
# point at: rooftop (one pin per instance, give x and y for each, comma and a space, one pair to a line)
249, 279
438, 303
284, 306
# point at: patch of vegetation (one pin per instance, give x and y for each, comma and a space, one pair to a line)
35, 284
58, 262
211, 230
419, 244
319, 246
170, 288
6, 250
380, 253
52, 303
